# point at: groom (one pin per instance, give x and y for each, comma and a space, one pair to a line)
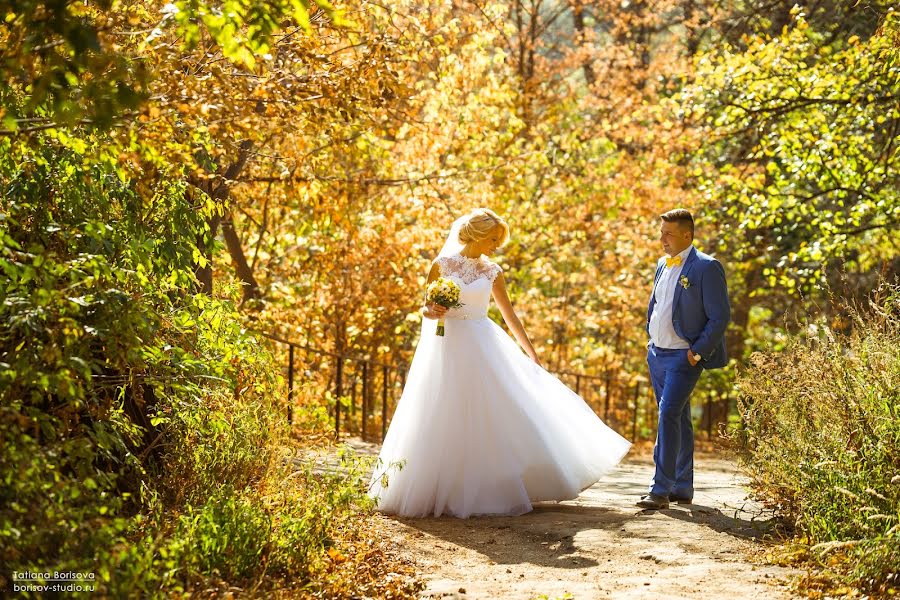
686, 321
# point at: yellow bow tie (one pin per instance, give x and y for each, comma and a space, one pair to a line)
673, 261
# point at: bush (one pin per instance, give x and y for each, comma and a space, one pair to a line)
143, 432
821, 442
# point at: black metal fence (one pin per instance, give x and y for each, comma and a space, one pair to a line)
365, 393
364, 390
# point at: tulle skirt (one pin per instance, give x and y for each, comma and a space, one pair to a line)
480, 429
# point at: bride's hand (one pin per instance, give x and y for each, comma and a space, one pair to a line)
434, 311
535, 359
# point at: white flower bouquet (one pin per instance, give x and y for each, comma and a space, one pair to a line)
443, 292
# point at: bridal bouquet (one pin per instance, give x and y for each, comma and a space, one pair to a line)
443, 292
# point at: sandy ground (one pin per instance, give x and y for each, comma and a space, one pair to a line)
602, 546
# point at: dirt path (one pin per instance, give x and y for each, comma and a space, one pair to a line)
601, 545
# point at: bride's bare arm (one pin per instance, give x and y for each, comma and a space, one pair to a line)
433, 311
511, 318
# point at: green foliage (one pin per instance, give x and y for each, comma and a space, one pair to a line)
55, 51
289, 534
101, 344
803, 161
140, 425
81, 290
837, 19
243, 30
821, 441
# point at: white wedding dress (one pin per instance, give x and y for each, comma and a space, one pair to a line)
480, 429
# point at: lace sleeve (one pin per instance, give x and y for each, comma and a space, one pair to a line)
495, 270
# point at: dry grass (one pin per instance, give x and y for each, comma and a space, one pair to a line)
821, 443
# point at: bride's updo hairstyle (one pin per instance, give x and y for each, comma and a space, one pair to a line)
479, 225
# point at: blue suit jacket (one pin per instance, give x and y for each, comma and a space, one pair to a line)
700, 311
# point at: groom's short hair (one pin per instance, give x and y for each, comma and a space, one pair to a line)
681, 216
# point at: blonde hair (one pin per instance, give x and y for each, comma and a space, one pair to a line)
479, 225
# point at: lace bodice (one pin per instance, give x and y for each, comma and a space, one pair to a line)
467, 270
475, 277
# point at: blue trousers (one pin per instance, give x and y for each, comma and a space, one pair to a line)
673, 380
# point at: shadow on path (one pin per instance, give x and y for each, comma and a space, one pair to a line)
544, 537
756, 528
600, 545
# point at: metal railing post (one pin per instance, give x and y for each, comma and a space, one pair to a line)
338, 392
384, 400
606, 410
290, 394
365, 399
637, 397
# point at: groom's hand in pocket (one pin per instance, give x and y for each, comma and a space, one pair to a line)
692, 358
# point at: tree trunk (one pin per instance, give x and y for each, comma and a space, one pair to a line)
241, 266
693, 32
578, 17
218, 192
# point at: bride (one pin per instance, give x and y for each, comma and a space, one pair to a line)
480, 428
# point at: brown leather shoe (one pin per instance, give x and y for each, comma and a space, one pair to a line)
653, 502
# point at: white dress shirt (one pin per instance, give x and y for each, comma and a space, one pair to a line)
662, 333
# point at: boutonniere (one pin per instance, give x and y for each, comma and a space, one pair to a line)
685, 282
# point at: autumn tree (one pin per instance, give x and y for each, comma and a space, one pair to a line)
801, 164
